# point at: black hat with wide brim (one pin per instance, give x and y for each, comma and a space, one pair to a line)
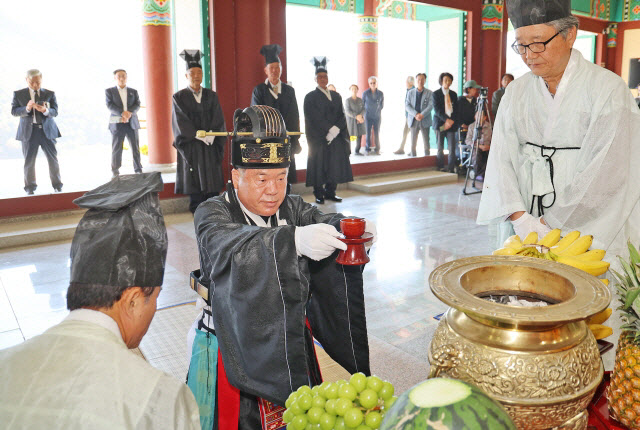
531, 12
267, 147
122, 239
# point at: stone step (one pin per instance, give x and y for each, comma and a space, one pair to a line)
401, 181
55, 226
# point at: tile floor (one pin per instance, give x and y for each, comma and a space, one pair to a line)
417, 231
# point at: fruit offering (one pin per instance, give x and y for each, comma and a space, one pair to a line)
573, 250
359, 403
623, 393
446, 404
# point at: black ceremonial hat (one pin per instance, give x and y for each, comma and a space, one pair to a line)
270, 53
268, 146
121, 240
531, 12
320, 63
192, 57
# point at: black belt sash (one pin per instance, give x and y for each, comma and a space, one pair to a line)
540, 206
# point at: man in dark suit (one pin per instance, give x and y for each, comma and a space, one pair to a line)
444, 124
327, 136
36, 108
123, 103
507, 78
275, 93
198, 167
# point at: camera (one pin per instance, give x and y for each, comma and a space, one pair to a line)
484, 91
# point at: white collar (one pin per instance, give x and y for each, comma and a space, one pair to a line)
445, 91
32, 91
121, 89
197, 93
278, 85
95, 317
325, 91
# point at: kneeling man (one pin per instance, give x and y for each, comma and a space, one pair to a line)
268, 261
80, 373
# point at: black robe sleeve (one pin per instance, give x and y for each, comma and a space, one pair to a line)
261, 291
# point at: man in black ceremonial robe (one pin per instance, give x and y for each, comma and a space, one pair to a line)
328, 138
268, 261
198, 170
275, 93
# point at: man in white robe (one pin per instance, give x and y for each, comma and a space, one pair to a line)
80, 373
566, 143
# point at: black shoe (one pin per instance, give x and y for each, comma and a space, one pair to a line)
58, 189
399, 152
320, 200
138, 172
360, 154
29, 192
412, 154
334, 198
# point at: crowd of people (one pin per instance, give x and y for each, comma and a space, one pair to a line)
450, 117
267, 258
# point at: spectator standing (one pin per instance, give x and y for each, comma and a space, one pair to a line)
497, 96
410, 84
418, 105
444, 114
36, 108
373, 103
354, 111
123, 102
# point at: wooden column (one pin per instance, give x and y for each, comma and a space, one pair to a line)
158, 74
239, 30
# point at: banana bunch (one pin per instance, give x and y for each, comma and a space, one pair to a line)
573, 250
599, 330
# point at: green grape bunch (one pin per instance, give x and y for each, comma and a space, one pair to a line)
359, 403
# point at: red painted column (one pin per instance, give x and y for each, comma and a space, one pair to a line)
367, 45
158, 71
239, 30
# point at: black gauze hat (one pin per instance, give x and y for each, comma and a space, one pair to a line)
121, 240
192, 57
268, 146
270, 53
531, 12
320, 63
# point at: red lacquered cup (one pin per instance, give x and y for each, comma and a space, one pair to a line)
352, 227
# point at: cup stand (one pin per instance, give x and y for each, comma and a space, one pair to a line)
356, 254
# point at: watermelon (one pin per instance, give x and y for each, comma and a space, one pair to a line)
446, 404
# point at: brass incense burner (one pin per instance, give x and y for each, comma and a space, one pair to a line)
541, 363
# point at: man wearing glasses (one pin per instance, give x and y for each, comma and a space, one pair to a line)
566, 144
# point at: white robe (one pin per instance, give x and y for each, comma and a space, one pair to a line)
597, 186
79, 374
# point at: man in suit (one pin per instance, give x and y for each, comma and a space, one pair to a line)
327, 136
444, 102
418, 105
275, 93
36, 108
373, 100
123, 103
198, 167
497, 96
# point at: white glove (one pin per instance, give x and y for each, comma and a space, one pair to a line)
318, 241
334, 131
207, 140
528, 223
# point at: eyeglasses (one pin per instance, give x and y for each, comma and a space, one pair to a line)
535, 47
